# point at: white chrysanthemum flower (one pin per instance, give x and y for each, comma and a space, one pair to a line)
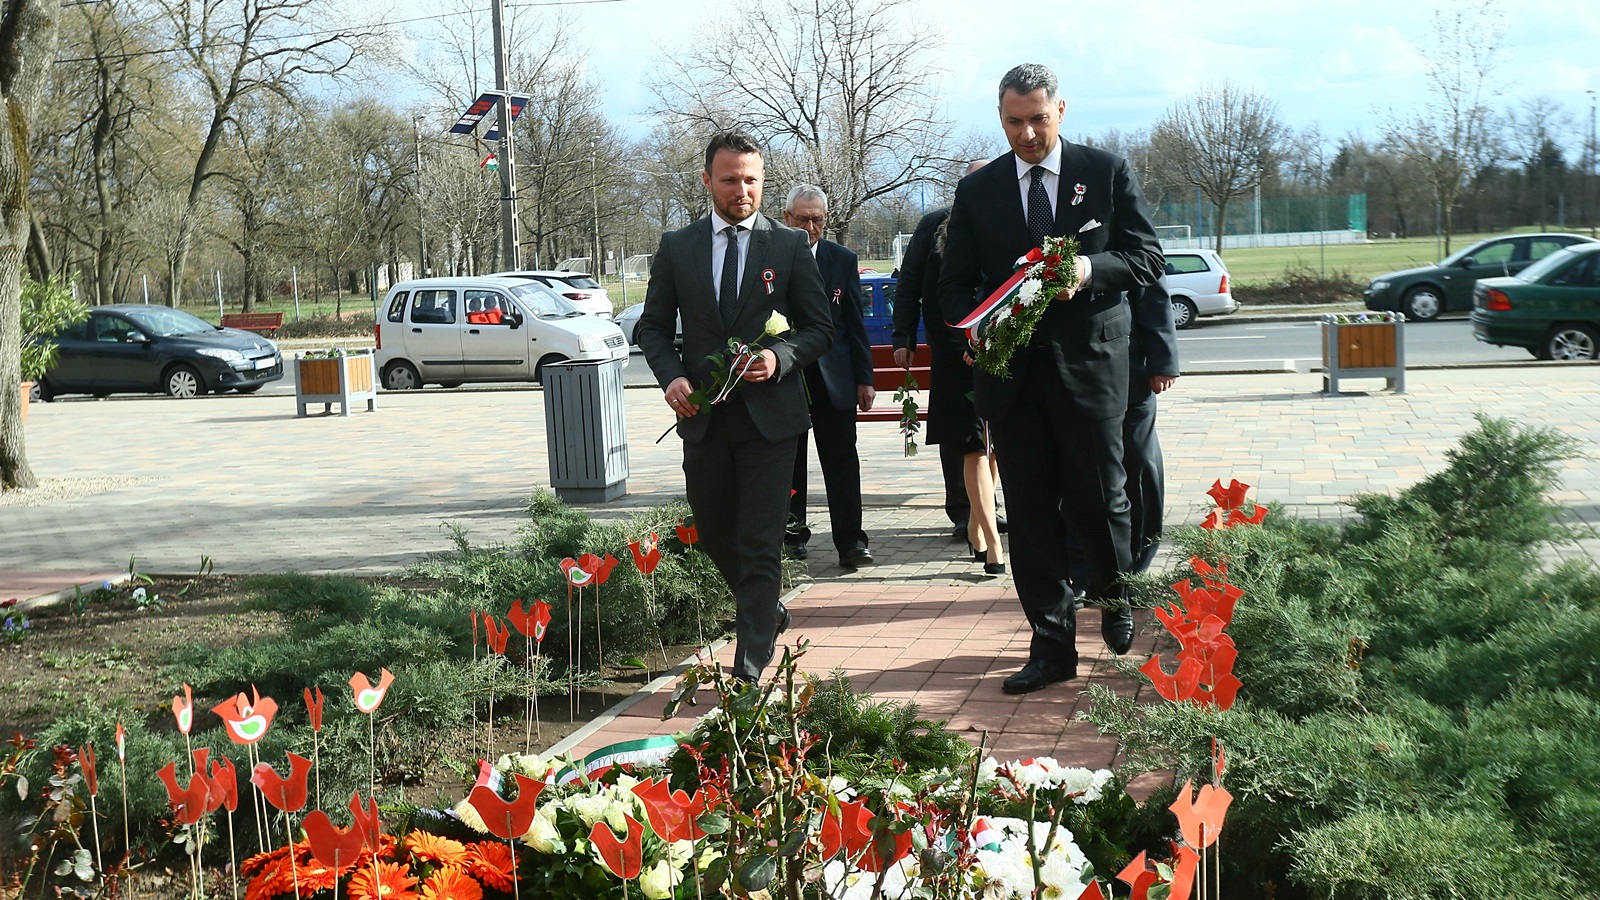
1029, 291
1087, 786
846, 883
986, 770
1060, 878
658, 881
1005, 874
470, 818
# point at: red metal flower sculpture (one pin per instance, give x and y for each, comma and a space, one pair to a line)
368, 698
247, 722
646, 553
623, 858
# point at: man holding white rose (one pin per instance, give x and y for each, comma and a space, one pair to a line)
740, 276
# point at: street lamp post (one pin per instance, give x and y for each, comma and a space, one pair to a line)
594, 190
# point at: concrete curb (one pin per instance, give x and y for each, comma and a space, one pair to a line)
648, 690
52, 599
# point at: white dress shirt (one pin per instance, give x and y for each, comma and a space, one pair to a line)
1052, 178
719, 246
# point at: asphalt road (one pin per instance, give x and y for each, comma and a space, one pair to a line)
1219, 345
1213, 346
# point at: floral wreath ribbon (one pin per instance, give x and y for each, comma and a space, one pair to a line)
1004, 295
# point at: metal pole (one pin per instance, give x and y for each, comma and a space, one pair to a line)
146, 280
219, 295
294, 277
1592, 147
422, 238
594, 190
509, 256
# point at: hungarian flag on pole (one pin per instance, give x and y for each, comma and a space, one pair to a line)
490, 163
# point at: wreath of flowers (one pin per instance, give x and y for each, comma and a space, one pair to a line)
1009, 325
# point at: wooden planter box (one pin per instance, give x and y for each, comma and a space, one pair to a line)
1363, 350
341, 380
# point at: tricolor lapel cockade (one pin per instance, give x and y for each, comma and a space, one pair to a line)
752, 289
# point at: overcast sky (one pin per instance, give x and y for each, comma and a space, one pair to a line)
1335, 63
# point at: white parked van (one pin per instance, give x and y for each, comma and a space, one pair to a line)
450, 331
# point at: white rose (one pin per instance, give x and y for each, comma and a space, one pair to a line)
543, 835
590, 809
658, 881
776, 324
986, 770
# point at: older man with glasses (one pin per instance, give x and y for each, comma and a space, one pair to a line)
837, 384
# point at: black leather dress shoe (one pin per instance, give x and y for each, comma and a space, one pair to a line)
1000, 523
960, 530
785, 619
1037, 674
856, 557
1116, 626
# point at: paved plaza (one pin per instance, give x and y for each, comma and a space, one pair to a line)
242, 481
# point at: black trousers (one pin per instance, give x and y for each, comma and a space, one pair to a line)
952, 464
1147, 492
1058, 468
737, 482
834, 433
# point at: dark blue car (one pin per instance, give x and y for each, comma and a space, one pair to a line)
878, 292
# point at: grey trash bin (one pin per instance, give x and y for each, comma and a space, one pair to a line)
586, 428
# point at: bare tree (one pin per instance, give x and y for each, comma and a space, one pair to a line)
237, 48
1453, 136
1220, 140
839, 89
27, 43
1534, 131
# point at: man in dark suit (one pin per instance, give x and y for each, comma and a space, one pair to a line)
726, 275
1057, 417
916, 300
838, 383
1152, 369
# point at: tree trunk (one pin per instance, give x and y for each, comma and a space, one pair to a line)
41, 262
27, 44
1222, 211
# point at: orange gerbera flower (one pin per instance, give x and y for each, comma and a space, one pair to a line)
274, 874
394, 882
491, 863
450, 883
433, 848
314, 877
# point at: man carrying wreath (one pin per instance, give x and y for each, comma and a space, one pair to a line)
1056, 409
727, 275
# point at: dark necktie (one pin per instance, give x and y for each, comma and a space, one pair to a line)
1040, 216
728, 292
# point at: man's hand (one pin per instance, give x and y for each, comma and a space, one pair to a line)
902, 357
763, 366
677, 397
1159, 383
1085, 272
865, 394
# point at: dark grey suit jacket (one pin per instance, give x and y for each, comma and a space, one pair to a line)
1087, 335
681, 283
848, 362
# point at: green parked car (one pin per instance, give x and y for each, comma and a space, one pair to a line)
1423, 293
1552, 307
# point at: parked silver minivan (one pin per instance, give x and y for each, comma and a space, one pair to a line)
450, 331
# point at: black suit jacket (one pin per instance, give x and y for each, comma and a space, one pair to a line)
1153, 349
917, 293
849, 361
681, 284
1087, 337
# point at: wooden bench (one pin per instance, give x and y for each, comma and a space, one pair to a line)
257, 321
888, 377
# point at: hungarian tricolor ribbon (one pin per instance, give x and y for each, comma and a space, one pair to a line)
976, 322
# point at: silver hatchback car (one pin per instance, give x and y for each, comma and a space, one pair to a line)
1198, 283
